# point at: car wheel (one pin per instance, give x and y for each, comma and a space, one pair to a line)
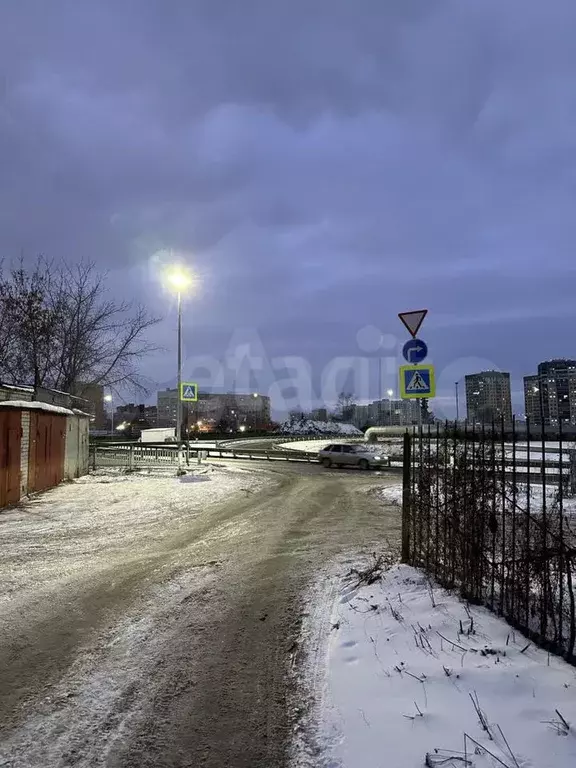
326, 463
363, 464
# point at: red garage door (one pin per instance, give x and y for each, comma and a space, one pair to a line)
47, 445
10, 441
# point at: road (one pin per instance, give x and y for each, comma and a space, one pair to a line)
171, 648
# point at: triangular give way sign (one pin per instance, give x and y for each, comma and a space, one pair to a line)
413, 320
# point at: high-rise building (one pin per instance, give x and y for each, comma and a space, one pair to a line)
550, 395
167, 403
404, 412
488, 397
532, 401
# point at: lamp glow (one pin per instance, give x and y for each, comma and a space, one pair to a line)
178, 278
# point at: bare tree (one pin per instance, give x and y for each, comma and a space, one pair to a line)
59, 327
345, 405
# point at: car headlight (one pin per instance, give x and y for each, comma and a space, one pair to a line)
377, 458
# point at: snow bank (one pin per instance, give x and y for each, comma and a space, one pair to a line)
310, 427
310, 445
391, 494
411, 670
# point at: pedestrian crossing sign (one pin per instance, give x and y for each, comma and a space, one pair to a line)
188, 392
417, 381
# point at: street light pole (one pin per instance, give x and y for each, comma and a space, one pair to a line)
379, 389
178, 278
179, 385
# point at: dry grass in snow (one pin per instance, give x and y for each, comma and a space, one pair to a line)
415, 678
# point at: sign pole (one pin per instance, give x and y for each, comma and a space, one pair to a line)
416, 379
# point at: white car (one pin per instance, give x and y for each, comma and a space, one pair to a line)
345, 455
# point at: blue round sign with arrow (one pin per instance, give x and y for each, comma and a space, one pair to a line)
415, 351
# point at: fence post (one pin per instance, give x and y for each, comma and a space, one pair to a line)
131, 458
406, 500
572, 457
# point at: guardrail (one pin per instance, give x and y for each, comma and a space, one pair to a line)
141, 455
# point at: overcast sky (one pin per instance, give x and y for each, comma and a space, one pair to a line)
321, 165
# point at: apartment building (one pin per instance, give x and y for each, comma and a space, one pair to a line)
250, 410
550, 395
488, 397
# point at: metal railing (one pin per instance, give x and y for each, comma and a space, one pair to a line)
135, 455
493, 515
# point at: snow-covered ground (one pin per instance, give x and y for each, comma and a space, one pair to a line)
52, 536
537, 497
410, 676
310, 427
84, 718
121, 541
392, 494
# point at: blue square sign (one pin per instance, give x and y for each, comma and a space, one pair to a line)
189, 392
417, 381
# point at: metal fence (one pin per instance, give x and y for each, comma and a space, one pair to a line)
133, 456
492, 513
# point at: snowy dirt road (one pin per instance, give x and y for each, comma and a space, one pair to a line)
146, 622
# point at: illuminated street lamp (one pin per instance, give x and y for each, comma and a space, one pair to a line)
108, 399
178, 279
390, 392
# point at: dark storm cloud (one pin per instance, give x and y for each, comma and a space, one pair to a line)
324, 163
